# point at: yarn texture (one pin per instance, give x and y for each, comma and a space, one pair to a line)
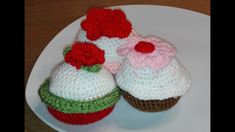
95, 68
68, 82
66, 50
150, 84
106, 22
79, 90
109, 45
79, 118
76, 106
150, 105
147, 52
107, 29
144, 47
84, 55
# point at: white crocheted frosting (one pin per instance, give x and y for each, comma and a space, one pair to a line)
68, 82
109, 45
148, 84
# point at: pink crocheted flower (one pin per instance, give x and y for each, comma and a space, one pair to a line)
147, 52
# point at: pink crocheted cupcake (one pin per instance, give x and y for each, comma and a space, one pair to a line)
107, 29
151, 78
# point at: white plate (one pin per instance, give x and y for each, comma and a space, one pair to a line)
188, 31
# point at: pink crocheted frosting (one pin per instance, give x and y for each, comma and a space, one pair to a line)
157, 59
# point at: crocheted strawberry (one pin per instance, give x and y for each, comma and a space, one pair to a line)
151, 78
79, 90
107, 29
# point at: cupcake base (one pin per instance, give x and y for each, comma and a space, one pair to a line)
150, 105
79, 118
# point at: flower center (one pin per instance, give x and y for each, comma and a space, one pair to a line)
144, 47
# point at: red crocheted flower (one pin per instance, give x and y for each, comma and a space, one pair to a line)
84, 54
144, 47
106, 22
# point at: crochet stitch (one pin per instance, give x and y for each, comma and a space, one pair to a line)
106, 22
150, 105
66, 50
68, 82
109, 45
79, 118
95, 68
144, 47
76, 106
147, 83
84, 54
79, 91
159, 57
151, 78
107, 29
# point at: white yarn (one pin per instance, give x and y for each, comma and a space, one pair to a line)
70, 83
147, 84
109, 45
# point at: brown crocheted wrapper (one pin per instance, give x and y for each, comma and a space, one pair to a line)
150, 105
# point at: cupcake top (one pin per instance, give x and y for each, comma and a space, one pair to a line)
81, 76
147, 52
106, 22
109, 45
107, 29
150, 70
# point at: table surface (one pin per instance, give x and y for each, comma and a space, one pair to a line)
44, 19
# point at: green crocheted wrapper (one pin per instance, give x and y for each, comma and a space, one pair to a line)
72, 106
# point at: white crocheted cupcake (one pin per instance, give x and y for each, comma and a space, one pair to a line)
151, 78
79, 90
107, 29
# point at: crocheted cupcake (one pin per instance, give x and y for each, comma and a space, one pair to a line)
151, 78
79, 90
107, 29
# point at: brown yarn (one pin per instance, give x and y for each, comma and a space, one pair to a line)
150, 105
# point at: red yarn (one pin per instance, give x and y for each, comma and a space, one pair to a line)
144, 47
78, 118
106, 22
84, 54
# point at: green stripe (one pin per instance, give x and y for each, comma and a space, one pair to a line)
72, 106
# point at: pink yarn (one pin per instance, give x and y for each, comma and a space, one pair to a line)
113, 67
158, 59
